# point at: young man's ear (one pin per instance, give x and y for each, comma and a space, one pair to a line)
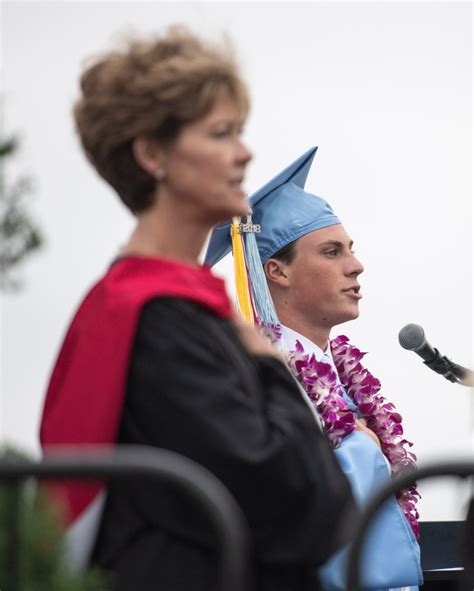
276, 272
149, 154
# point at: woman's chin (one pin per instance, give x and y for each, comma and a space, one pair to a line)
235, 208
241, 209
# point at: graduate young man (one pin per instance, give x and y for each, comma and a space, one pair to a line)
313, 278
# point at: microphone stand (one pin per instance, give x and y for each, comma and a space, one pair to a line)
450, 370
459, 375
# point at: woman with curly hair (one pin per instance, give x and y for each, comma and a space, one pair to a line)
155, 354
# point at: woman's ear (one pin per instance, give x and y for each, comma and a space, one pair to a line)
276, 272
149, 155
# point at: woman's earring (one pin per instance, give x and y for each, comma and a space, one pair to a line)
160, 174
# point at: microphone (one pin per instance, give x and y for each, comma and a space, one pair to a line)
412, 337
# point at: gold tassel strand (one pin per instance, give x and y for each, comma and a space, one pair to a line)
241, 279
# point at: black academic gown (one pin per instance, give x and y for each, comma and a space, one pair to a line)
193, 388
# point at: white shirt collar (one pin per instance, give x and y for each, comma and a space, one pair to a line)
288, 342
289, 338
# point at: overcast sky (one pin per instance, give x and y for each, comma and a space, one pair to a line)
384, 90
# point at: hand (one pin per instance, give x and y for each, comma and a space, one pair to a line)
252, 338
361, 425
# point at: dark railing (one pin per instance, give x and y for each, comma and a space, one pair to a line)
461, 469
189, 478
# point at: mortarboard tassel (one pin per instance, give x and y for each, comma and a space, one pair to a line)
261, 294
241, 279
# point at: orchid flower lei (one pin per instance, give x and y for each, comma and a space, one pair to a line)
321, 385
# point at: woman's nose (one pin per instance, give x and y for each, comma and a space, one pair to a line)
244, 154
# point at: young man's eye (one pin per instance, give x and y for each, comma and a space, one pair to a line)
332, 253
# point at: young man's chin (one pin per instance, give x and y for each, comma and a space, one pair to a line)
348, 317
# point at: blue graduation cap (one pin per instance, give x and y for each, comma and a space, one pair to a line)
282, 209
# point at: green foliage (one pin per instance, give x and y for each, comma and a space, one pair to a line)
40, 553
19, 235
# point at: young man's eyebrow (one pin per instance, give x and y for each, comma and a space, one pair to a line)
337, 243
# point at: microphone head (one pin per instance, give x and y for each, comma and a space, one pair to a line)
412, 337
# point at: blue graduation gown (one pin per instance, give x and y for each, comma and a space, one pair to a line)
391, 554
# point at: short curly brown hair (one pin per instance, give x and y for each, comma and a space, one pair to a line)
151, 88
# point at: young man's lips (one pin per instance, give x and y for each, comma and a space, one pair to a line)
353, 292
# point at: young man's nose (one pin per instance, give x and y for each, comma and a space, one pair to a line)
355, 267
